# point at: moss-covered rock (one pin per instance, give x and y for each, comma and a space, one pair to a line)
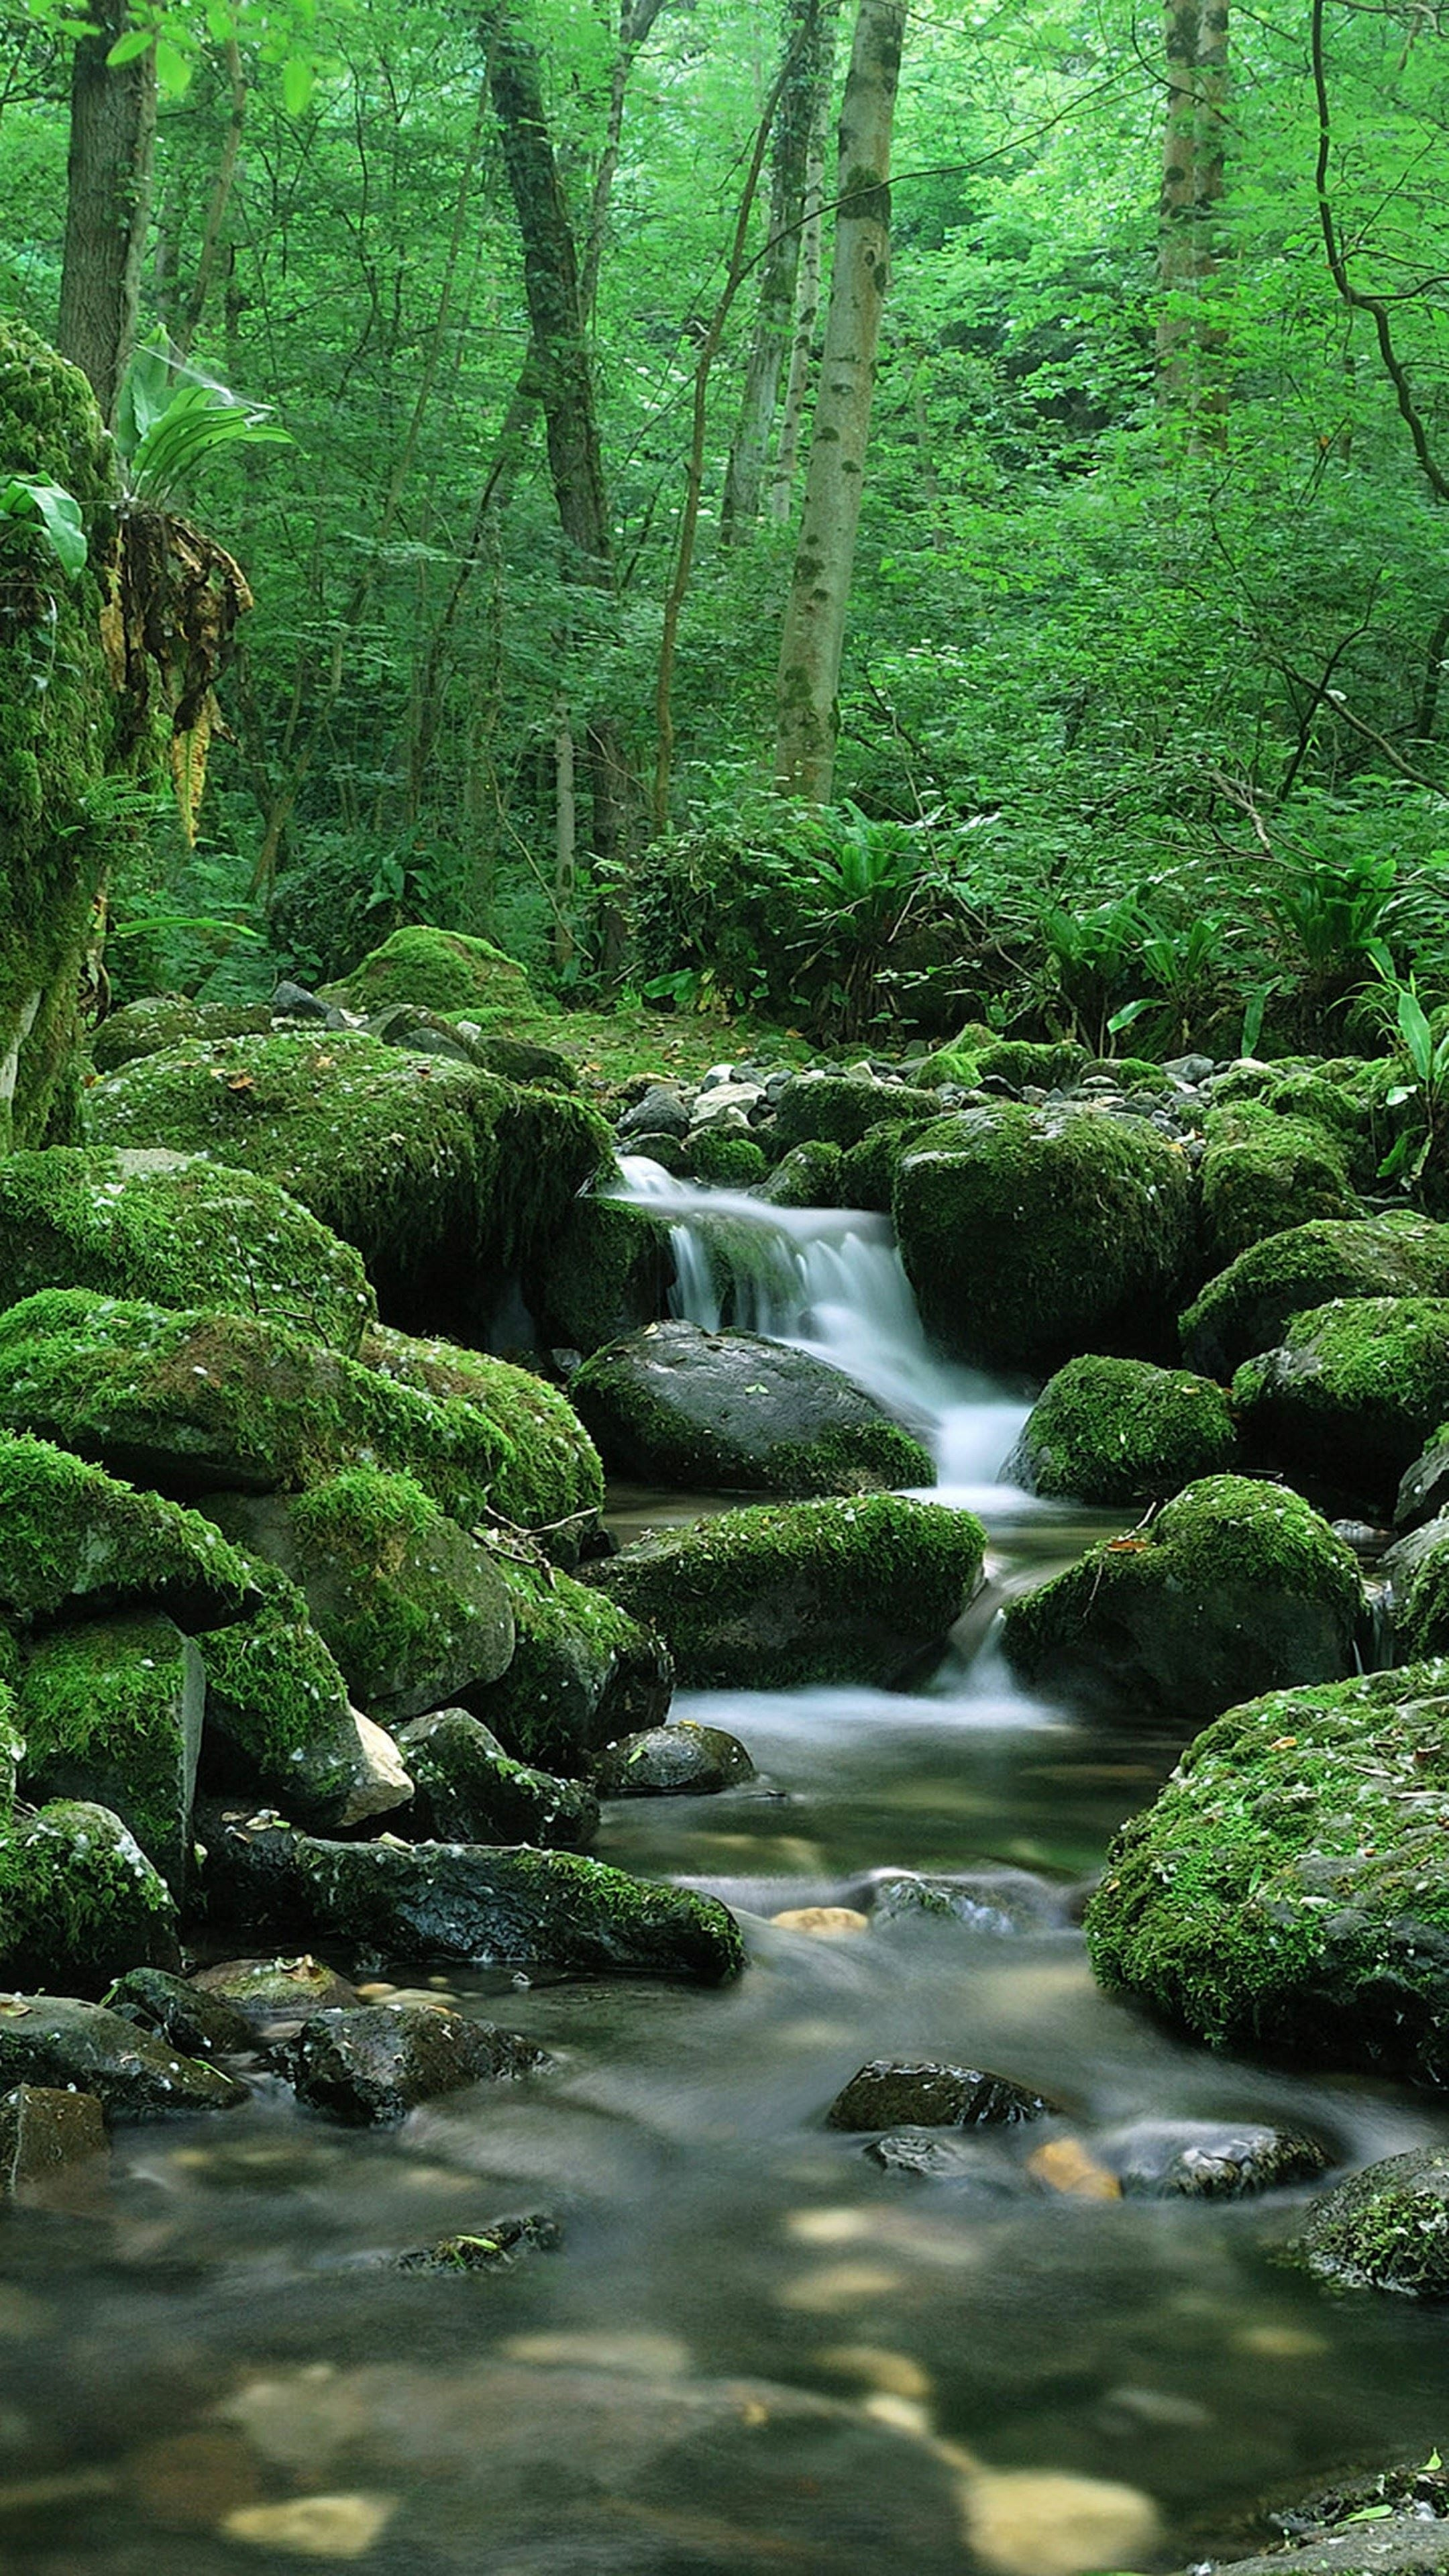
676, 1406
470, 1791
801, 1592
179, 1231
552, 1482
1352, 1392
1418, 1572
79, 1904
1386, 2228
1050, 1064
609, 1270
808, 1177
1287, 1889
444, 1178
1030, 1233
78, 2047
412, 1607
1262, 1174
279, 1722
583, 1670
868, 1170
724, 1161
1235, 1587
439, 970
1247, 1308
164, 1019
111, 1714
1121, 1431
76, 1537
58, 730
487, 1908
841, 1108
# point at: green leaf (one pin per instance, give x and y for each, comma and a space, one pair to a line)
1414, 1030
128, 48
1130, 1011
173, 69
298, 75
1371, 2513
1432, 2463
24, 496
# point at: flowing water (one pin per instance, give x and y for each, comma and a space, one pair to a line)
756, 2350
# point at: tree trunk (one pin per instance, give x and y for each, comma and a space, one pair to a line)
636, 18
814, 635
779, 268
108, 203
781, 494
564, 870
1191, 347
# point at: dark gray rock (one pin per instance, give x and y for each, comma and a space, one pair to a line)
893, 2094
490, 1908
293, 1002
53, 2146
954, 2160
679, 1761
661, 1112
56, 2042
494, 2248
996, 1901
274, 1995
200, 2024
1385, 2229
374, 2063
1208, 2160
470, 1791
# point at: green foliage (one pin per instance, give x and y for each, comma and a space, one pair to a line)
54, 511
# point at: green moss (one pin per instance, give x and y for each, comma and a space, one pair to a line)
437, 1172
607, 1271
801, 1592
1421, 1597
1050, 1065
1120, 1431
1288, 1887
73, 1533
1130, 1073
1354, 1390
277, 1696
164, 1019
1385, 2229
1262, 1173
79, 1901
439, 970
868, 1170
840, 1108
1248, 1307
583, 1671
808, 1177
111, 1712
178, 1231
1027, 1233
725, 1162
551, 1476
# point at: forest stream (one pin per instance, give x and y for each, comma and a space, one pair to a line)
757, 2349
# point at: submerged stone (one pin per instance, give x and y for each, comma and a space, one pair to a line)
489, 2249
268, 1993
370, 2064
53, 2145
895, 2093
1207, 2160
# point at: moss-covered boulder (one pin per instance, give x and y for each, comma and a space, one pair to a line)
1287, 1889
58, 728
1122, 1431
1386, 2228
79, 1902
194, 1402
78, 1538
470, 1791
1248, 1307
179, 1231
1235, 1587
551, 1482
1029, 1234
840, 1108
279, 1723
583, 1671
164, 1019
484, 1907
868, 1169
676, 1406
111, 1714
808, 1177
1352, 1392
1262, 1174
609, 1270
851, 1591
439, 970
723, 1161
444, 1178
411, 1606
1418, 1572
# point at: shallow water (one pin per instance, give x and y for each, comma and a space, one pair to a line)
689, 2384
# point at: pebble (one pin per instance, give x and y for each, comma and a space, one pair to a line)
839, 2285
643, 2355
1064, 2165
190, 2478
826, 1922
322, 2526
1041, 2522
896, 2374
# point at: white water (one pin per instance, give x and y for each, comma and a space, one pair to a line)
830, 1281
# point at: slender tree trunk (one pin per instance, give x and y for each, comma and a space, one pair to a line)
566, 836
779, 270
636, 18
814, 634
1191, 347
781, 494
220, 198
108, 203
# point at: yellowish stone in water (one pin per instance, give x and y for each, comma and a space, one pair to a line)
839, 2285
321, 2526
1039, 2522
825, 1922
893, 2372
648, 2356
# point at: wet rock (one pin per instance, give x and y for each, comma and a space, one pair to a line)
1248, 1307
607, 1272
1206, 2160
1353, 1392
1120, 1431
198, 2022
583, 1669
1041, 2522
52, 2145
58, 2043
1385, 2229
79, 1901
677, 1406
270, 1995
470, 1791
938, 2159
1001, 1902
492, 2249
684, 1760
802, 1592
662, 1111
1235, 1587
1065, 2166
194, 2477
892, 2094
489, 1908
314, 2526
279, 1723
822, 1922
1400, 2545
373, 2063
111, 1714
810, 1176
1424, 1488
74, 1535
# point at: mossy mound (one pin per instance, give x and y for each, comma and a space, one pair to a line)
444, 1178
552, 1483
193, 1402
1235, 1587
439, 970
1287, 1889
278, 1720
75, 1536
731, 1411
1419, 1596
1248, 1307
868, 1170
1262, 1174
1121, 1431
725, 1162
111, 1714
841, 1108
164, 1019
177, 1230
608, 1270
1386, 2228
583, 1671
1030, 1233
411, 1607
79, 1902
808, 1177
1353, 1391
802, 1592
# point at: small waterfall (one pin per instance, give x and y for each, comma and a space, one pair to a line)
831, 1281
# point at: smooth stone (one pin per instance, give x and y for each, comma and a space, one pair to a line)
53, 2146
492, 2249
894, 2093
269, 1992
57, 2042
199, 2023
1042, 2522
1208, 2160
661, 1112
824, 1922
373, 2063
684, 1760
314, 2526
